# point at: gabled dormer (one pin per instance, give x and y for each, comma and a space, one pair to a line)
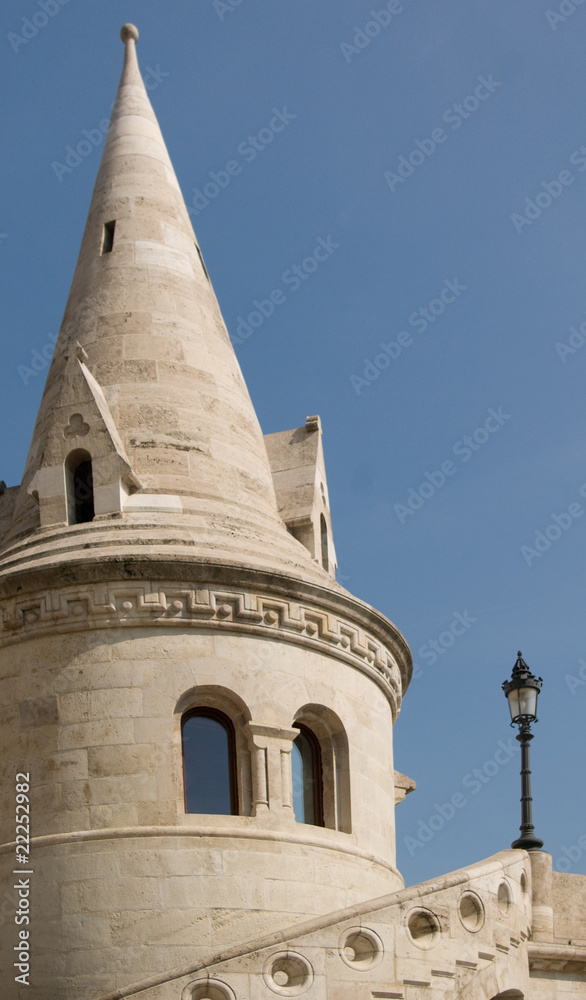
84, 471
297, 464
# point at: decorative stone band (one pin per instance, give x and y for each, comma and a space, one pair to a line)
174, 605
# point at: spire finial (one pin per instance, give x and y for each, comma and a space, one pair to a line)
129, 31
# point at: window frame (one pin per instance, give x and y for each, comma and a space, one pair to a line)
318, 783
226, 722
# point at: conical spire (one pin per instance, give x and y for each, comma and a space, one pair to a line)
145, 380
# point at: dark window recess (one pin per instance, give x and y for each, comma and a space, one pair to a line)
307, 778
324, 543
108, 238
209, 763
204, 268
80, 488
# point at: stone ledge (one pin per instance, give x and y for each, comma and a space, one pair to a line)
545, 957
240, 831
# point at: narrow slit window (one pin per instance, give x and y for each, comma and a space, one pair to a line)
80, 488
204, 268
108, 238
324, 543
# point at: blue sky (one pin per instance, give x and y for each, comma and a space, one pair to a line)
482, 108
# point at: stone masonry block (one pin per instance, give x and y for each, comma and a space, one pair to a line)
38, 712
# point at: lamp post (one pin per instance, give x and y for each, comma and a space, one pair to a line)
522, 691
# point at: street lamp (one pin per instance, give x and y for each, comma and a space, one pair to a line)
522, 691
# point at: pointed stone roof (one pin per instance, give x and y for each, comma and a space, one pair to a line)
145, 380
145, 395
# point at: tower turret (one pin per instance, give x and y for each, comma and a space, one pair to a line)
146, 383
204, 715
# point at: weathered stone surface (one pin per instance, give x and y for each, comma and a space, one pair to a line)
38, 712
186, 591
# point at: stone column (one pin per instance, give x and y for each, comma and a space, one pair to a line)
272, 789
541, 896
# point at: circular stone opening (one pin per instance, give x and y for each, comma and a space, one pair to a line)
361, 949
210, 991
503, 897
423, 927
288, 974
471, 912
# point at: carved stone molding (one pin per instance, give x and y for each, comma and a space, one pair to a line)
173, 605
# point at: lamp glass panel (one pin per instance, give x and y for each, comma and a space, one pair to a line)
513, 699
523, 701
528, 700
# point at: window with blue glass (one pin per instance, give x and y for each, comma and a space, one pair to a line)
209, 763
307, 778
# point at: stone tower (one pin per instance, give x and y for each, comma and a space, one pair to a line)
161, 565
195, 718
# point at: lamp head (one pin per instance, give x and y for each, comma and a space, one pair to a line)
522, 691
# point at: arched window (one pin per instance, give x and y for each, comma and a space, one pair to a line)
322, 763
324, 543
80, 487
209, 762
509, 995
307, 778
